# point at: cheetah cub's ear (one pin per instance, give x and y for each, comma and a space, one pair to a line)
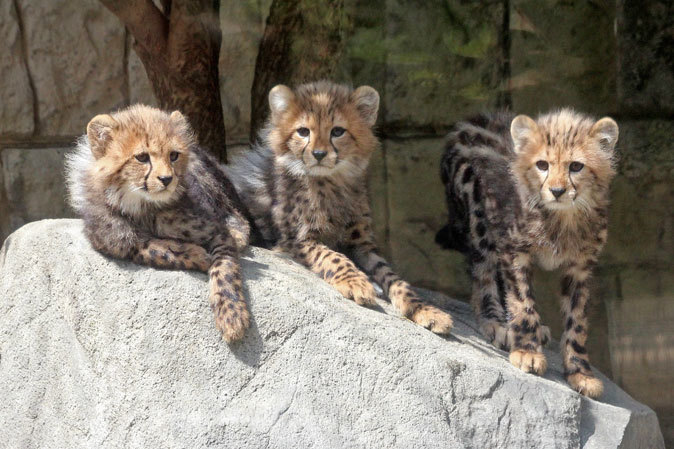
523, 130
184, 128
178, 117
99, 132
280, 100
367, 103
606, 132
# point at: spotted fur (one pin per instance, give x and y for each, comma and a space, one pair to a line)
305, 185
521, 192
148, 193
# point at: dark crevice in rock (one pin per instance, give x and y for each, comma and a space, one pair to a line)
31, 82
38, 142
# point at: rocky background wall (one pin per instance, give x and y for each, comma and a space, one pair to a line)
433, 62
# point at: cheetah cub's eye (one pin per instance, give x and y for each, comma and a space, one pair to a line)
576, 166
143, 157
174, 156
303, 132
337, 131
542, 165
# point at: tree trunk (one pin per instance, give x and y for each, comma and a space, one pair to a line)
303, 41
179, 48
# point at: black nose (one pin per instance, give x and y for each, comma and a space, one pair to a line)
166, 180
557, 191
319, 154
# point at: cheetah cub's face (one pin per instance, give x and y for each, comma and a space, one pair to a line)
141, 155
564, 160
321, 129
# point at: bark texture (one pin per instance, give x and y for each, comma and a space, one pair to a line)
179, 46
303, 41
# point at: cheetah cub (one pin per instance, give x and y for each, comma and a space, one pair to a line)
521, 191
305, 185
149, 194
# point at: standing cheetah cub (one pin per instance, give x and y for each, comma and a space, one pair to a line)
148, 193
520, 191
305, 185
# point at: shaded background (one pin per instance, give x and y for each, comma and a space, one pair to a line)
433, 62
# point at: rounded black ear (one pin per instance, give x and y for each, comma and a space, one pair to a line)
99, 132
606, 132
367, 103
522, 129
280, 99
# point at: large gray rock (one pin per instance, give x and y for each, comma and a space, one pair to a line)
101, 353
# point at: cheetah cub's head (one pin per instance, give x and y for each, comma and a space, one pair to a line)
320, 129
141, 155
565, 160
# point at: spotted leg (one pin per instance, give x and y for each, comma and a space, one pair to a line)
575, 297
360, 242
117, 238
526, 350
334, 268
488, 299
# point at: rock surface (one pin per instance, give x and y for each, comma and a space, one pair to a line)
102, 353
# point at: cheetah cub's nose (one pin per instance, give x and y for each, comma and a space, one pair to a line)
319, 154
166, 180
557, 191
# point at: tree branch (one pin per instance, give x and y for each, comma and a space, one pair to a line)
146, 23
180, 48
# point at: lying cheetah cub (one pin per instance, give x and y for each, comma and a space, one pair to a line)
305, 185
148, 193
520, 191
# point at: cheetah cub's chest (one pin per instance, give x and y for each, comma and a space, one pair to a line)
329, 208
564, 239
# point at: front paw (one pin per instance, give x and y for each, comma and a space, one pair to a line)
586, 385
433, 318
529, 361
357, 288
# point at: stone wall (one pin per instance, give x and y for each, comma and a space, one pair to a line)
433, 62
